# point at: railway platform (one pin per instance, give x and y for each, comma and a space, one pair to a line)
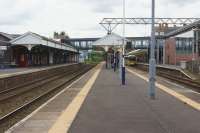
8, 72
98, 103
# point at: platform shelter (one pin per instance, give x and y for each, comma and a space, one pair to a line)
32, 49
112, 44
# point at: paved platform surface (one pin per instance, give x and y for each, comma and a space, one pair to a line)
184, 90
112, 108
17, 71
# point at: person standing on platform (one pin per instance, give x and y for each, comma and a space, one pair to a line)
112, 61
117, 59
115, 62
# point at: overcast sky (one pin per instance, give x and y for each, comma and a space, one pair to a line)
80, 18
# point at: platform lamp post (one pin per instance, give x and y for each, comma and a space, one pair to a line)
152, 62
123, 47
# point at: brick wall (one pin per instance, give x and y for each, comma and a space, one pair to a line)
171, 57
170, 51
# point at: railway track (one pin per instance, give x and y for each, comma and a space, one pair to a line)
51, 76
61, 80
176, 77
8, 93
188, 82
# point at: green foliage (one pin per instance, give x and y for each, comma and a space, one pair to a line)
95, 57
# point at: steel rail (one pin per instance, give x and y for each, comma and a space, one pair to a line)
3, 118
41, 82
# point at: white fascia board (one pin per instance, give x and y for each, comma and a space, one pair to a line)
24, 35
45, 42
57, 46
27, 39
51, 44
67, 48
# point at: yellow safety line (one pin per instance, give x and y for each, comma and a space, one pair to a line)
177, 95
64, 122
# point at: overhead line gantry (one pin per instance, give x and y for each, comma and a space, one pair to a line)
109, 24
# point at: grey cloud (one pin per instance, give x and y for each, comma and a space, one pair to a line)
102, 6
15, 19
180, 2
100, 9
91, 28
17, 13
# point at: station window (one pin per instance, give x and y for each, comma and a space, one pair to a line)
133, 44
90, 44
76, 44
1, 53
83, 44
145, 43
138, 43
184, 46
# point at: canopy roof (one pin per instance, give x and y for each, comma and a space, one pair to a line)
9, 36
31, 39
110, 40
138, 52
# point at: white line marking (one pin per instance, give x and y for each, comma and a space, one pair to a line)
180, 86
65, 120
10, 130
175, 94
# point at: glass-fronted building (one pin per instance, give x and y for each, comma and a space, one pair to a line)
184, 46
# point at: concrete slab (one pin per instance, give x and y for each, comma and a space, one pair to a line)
112, 108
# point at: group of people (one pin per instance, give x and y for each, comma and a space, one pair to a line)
113, 60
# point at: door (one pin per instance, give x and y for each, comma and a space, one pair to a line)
23, 60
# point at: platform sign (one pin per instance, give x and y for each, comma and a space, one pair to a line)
3, 47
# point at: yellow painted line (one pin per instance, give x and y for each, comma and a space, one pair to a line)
17, 125
177, 95
64, 122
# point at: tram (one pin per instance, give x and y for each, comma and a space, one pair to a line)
130, 60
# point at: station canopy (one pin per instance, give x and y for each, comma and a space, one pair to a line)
110, 40
31, 40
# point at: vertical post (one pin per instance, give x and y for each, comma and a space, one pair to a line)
197, 46
152, 67
123, 49
78, 55
197, 41
48, 56
106, 58
193, 50
163, 52
193, 46
158, 50
40, 55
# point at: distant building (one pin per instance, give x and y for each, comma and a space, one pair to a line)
83, 45
173, 44
5, 48
31, 49
183, 44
